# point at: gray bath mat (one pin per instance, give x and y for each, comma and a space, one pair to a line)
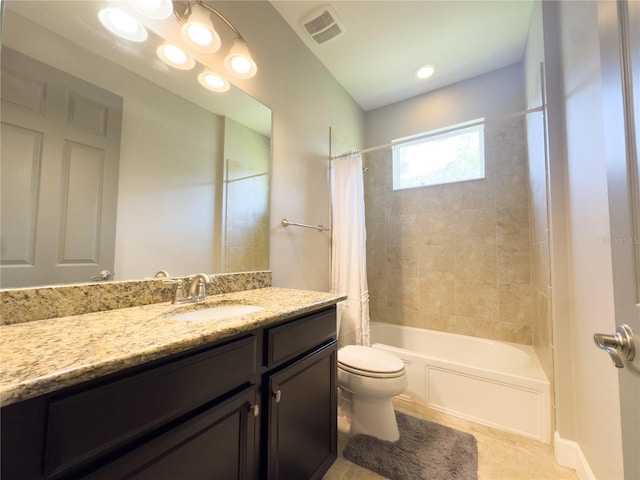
425, 451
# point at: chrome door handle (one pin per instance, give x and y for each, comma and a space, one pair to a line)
103, 276
620, 343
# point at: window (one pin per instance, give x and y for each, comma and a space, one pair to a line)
456, 155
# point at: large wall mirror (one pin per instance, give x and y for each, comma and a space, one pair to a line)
111, 160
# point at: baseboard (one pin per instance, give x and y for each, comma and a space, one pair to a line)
569, 454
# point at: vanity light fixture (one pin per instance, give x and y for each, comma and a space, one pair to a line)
213, 82
175, 57
425, 71
156, 9
199, 33
239, 62
122, 24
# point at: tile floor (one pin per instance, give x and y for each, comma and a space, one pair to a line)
501, 456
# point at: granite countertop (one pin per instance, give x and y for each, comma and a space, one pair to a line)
42, 356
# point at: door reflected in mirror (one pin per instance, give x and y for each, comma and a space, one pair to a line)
190, 179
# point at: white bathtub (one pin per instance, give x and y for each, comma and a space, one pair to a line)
489, 382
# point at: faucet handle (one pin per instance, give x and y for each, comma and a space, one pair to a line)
201, 291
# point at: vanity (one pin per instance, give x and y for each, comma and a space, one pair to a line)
138, 393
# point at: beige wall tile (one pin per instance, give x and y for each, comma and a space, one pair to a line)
475, 226
436, 228
476, 263
402, 262
403, 294
437, 297
512, 221
402, 230
475, 194
376, 229
436, 262
479, 300
513, 266
515, 303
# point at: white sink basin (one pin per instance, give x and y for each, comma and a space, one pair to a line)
215, 313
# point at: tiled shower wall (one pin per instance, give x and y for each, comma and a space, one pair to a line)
542, 328
454, 257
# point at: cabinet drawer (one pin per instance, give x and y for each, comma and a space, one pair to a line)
85, 425
299, 336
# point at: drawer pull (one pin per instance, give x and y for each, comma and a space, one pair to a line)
277, 395
255, 409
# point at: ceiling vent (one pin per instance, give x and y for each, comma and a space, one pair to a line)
323, 24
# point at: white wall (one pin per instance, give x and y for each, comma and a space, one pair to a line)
306, 100
491, 95
595, 405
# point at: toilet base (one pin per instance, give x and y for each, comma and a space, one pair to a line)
369, 416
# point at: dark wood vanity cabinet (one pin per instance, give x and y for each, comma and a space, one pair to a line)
302, 416
301, 396
262, 405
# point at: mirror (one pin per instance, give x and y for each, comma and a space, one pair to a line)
189, 184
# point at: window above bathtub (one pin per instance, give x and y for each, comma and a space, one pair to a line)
448, 155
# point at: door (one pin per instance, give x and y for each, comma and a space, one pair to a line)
60, 158
619, 24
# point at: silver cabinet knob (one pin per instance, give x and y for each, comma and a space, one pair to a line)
620, 345
277, 395
255, 409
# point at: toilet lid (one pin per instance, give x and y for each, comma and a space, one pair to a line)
369, 361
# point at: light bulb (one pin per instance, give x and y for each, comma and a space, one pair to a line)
175, 57
213, 81
425, 71
122, 24
239, 62
198, 32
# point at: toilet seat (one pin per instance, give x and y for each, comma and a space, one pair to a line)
369, 362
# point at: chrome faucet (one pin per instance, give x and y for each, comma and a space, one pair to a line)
190, 290
198, 287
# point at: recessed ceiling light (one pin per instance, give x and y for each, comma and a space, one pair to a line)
122, 24
213, 82
175, 57
425, 71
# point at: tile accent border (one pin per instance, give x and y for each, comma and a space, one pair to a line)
39, 303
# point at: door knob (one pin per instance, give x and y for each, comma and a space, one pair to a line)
103, 276
622, 343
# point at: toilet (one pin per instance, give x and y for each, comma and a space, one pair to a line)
368, 379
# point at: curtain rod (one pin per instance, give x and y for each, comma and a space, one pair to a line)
439, 132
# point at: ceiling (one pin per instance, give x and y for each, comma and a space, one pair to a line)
385, 41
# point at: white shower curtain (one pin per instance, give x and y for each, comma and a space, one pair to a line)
348, 251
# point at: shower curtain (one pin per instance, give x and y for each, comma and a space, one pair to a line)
348, 247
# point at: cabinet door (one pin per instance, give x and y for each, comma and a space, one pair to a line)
302, 435
216, 444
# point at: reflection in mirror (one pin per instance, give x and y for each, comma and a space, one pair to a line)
130, 166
